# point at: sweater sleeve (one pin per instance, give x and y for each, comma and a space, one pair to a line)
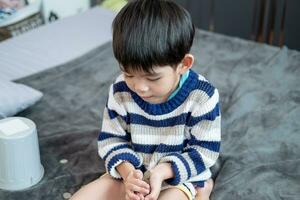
203, 145
114, 144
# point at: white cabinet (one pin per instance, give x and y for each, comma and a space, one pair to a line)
57, 9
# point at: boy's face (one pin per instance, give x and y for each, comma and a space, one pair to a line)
156, 87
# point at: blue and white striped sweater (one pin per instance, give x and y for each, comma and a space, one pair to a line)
184, 131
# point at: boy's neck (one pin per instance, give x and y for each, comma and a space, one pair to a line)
179, 84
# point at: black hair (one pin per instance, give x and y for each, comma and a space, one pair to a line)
148, 33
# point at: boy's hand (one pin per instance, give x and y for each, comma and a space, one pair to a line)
155, 177
135, 187
155, 180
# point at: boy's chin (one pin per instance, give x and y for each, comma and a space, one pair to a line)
154, 100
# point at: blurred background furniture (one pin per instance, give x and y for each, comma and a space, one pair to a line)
270, 21
56, 9
23, 20
267, 21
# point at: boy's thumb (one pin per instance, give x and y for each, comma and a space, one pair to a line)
138, 174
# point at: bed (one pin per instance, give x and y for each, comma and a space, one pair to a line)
260, 97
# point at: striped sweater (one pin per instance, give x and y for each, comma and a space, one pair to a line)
184, 131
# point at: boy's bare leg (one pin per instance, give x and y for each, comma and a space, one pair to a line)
204, 193
102, 188
172, 193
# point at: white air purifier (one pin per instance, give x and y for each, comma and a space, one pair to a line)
20, 164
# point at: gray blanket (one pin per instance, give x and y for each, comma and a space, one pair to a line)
260, 97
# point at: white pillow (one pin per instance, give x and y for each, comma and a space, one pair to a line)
16, 97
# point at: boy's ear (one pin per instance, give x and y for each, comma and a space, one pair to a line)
186, 63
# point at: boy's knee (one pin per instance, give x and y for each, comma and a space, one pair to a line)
173, 193
101, 188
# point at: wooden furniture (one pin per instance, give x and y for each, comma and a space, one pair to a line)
269, 21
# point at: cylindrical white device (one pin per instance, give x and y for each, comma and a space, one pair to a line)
20, 164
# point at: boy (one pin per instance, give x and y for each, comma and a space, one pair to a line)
161, 125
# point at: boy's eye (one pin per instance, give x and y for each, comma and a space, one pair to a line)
154, 79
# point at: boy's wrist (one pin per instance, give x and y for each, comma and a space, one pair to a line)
163, 170
124, 169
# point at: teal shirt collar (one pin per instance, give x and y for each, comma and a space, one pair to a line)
182, 80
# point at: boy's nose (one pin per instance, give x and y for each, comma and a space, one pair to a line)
141, 87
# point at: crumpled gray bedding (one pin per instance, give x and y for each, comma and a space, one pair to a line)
260, 97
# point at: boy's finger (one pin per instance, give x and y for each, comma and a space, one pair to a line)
142, 184
132, 196
149, 197
153, 195
138, 174
138, 189
141, 196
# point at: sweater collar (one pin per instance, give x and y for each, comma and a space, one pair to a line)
171, 104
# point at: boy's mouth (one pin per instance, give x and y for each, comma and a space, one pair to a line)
146, 97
